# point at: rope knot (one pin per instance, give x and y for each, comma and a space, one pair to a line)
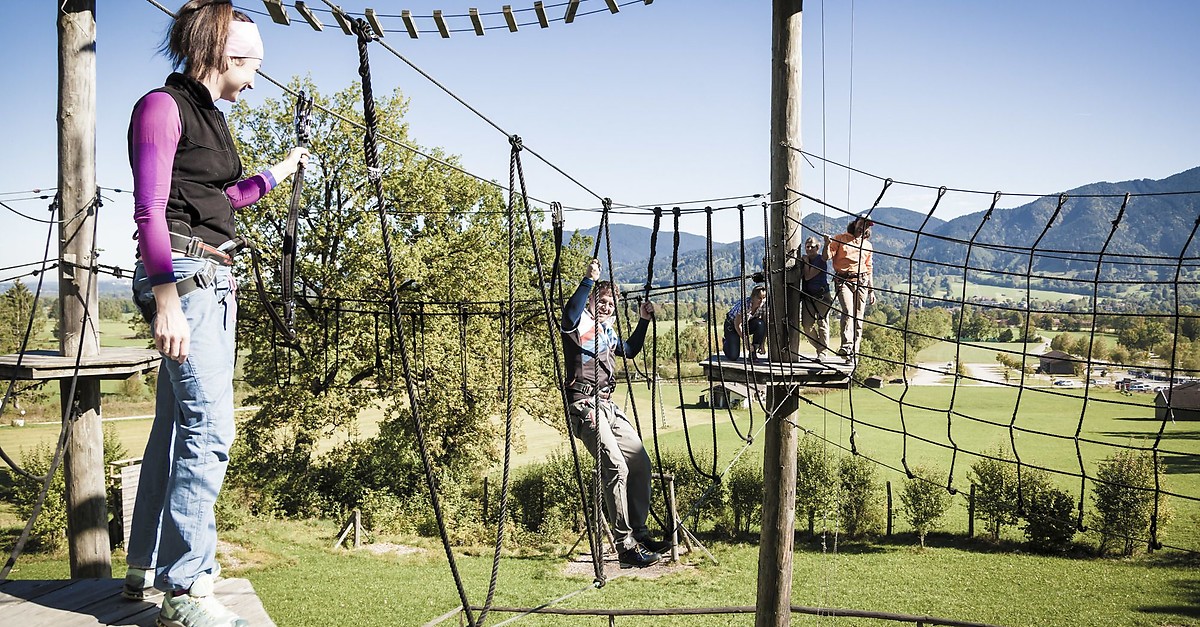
515, 141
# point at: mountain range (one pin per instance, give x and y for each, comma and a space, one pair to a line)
1096, 228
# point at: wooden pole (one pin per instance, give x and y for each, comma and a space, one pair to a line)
889, 509
87, 511
773, 605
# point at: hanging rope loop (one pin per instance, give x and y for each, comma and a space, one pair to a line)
886, 184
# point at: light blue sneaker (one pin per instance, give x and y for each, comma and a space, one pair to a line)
197, 608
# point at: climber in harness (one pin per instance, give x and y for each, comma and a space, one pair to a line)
590, 346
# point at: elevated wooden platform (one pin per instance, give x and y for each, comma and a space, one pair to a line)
95, 602
807, 371
111, 363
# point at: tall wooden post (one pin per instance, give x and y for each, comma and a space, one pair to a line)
87, 513
779, 458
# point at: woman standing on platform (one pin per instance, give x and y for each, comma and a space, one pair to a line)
815, 300
188, 181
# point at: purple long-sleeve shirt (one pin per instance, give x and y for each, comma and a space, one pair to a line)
155, 133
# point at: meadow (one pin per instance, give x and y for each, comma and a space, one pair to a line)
405, 580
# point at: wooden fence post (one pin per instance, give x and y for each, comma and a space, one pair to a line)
889, 509
971, 513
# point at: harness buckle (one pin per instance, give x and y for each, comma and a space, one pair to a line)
193, 247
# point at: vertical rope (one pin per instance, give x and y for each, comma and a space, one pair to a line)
546, 295
958, 344
70, 410
509, 326
1154, 544
1091, 342
1012, 432
374, 176
908, 305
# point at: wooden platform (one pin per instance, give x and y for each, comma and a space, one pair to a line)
111, 363
95, 602
807, 371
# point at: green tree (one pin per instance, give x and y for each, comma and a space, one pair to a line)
50, 528
996, 496
924, 500
1125, 498
449, 235
926, 326
1063, 342
1049, 521
16, 308
1144, 334
114, 308
815, 481
858, 496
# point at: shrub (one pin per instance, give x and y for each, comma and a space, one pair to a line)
996, 490
134, 388
1124, 499
697, 499
544, 496
858, 497
814, 481
746, 496
50, 528
924, 500
1049, 523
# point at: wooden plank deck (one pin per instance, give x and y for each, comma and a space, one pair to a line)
110, 363
96, 602
806, 371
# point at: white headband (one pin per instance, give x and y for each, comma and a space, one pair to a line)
243, 41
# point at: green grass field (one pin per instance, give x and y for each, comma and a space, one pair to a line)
304, 583
992, 292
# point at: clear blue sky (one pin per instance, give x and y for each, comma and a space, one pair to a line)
670, 102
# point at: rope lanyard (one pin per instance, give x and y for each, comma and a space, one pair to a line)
287, 266
285, 323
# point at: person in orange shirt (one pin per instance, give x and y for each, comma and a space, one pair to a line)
849, 255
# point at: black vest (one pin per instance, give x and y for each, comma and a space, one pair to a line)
205, 164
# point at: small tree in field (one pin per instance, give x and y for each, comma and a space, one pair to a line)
925, 501
858, 502
995, 480
1124, 499
815, 481
1049, 521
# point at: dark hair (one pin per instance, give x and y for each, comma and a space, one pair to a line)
859, 227
197, 38
607, 286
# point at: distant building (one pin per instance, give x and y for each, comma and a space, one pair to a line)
726, 395
1057, 362
1185, 402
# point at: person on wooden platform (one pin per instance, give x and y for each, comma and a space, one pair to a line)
188, 181
590, 347
850, 254
815, 299
747, 317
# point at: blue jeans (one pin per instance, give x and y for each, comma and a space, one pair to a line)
731, 343
174, 530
